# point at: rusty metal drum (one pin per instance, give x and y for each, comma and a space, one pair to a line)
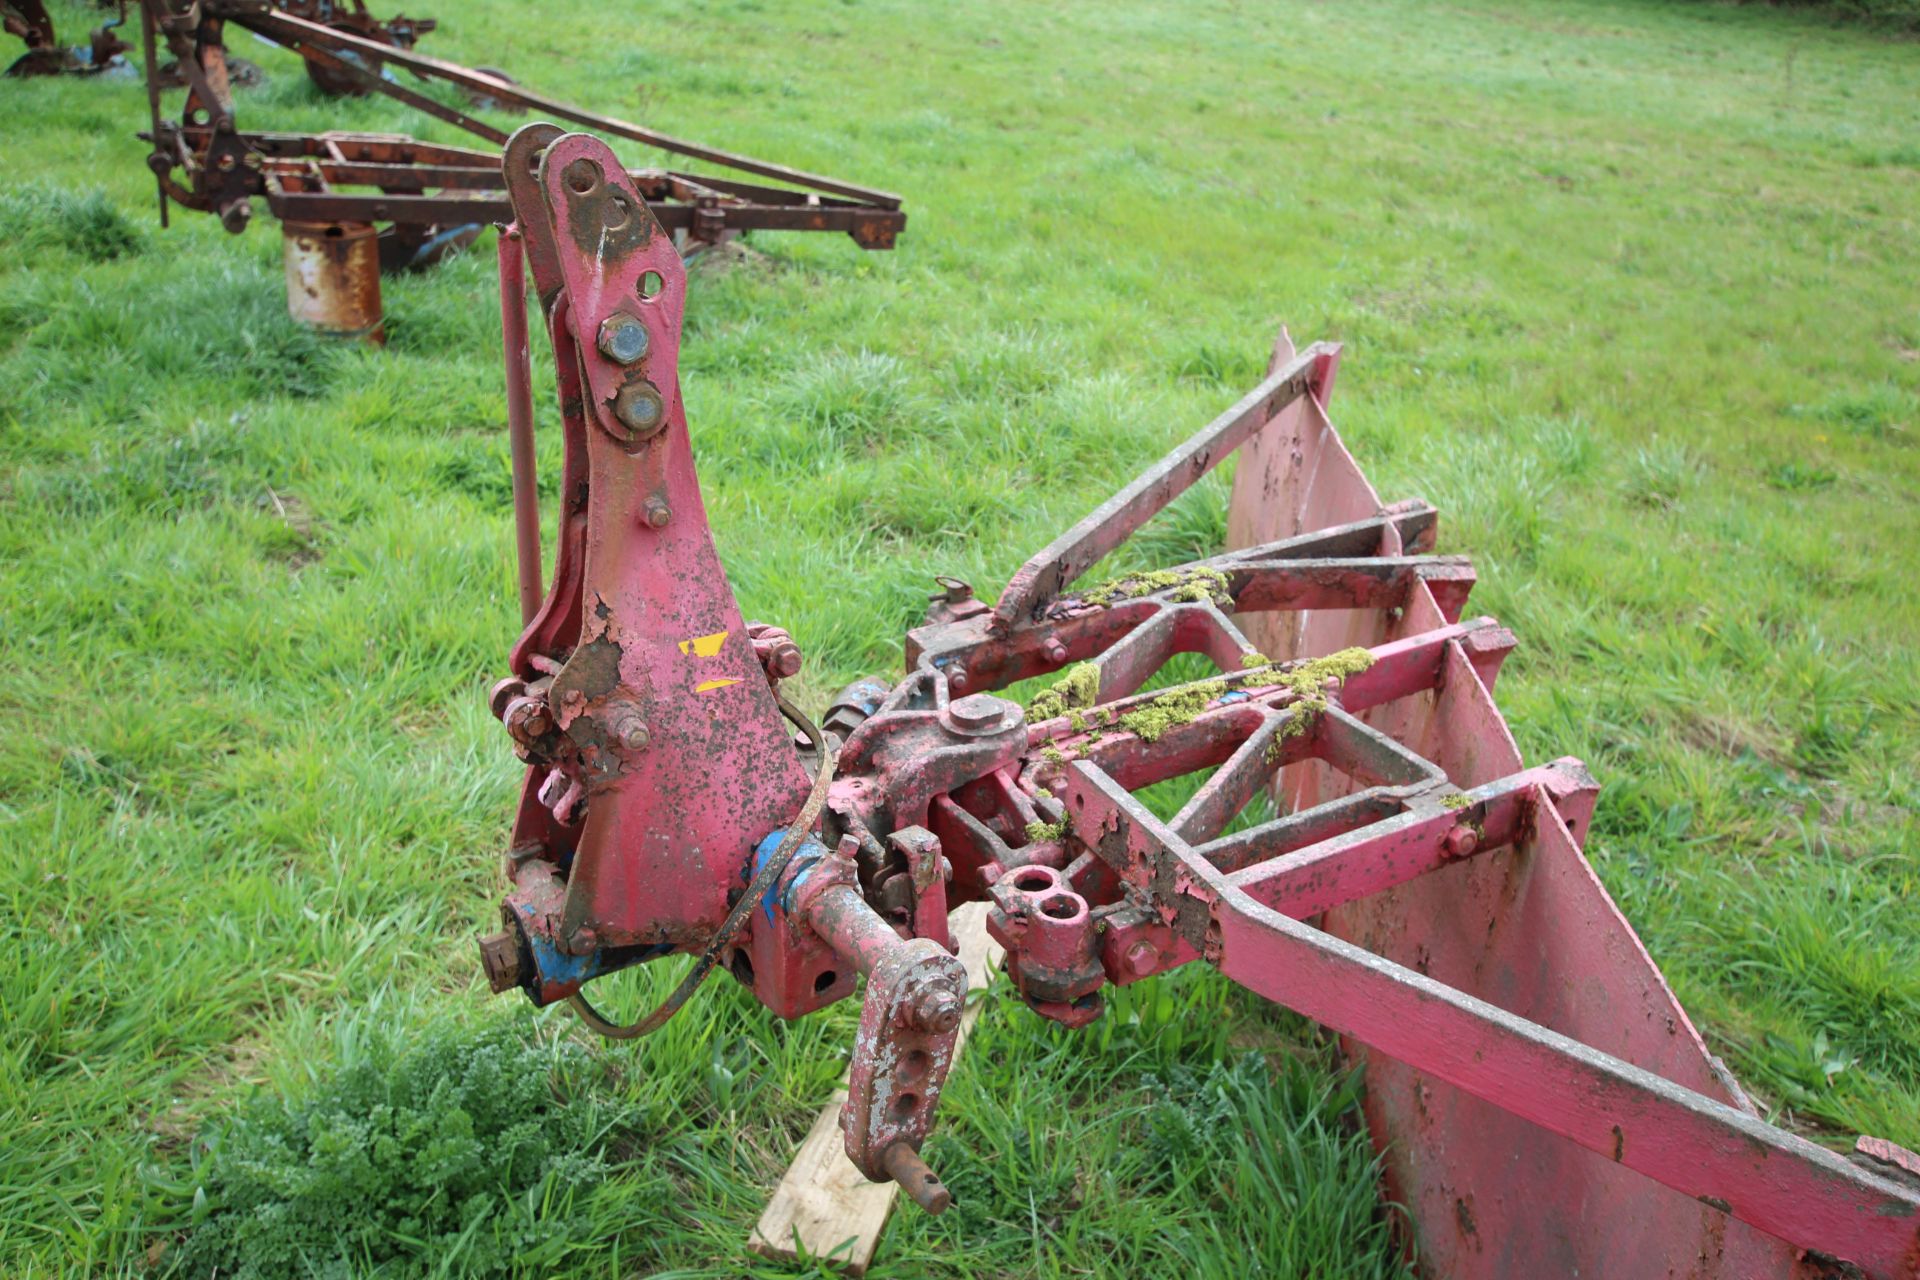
333, 277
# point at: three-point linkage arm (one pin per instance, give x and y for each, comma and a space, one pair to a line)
667, 807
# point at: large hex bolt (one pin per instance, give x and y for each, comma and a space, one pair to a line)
623, 339
641, 409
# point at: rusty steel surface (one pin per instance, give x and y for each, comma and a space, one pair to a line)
46, 56
1543, 1104
427, 198
333, 277
397, 32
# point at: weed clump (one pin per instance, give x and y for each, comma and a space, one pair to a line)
1039, 831
1191, 585
87, 225
1076, 690
457, 1145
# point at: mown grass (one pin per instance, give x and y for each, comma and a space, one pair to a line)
1626, 289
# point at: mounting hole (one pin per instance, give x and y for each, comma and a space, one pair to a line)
617, 213
1033, 880
334, 232
197, 116
1061, 906
582, 177
824, 980
904, 1105
913, 1068
651, 283
741, 966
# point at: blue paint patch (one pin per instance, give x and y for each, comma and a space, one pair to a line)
804, 858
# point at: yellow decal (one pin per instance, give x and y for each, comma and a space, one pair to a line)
707, 686
704, 646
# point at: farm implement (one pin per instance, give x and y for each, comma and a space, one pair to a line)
46, 56
1543, 1105
352, 204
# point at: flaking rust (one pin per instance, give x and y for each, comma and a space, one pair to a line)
1421, 891
415, 201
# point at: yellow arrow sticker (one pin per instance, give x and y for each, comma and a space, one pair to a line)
708, 686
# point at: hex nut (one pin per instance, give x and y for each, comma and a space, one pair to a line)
641, 409
623, 339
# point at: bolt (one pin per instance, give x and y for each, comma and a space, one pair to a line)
500, 960
235, 217
1056, 652
640, 408
1142, 959
979, 711
528, 719
1461, 841
623, 339
657, 513
633, 735
957, 678
785, 660
936, 1009
553, 788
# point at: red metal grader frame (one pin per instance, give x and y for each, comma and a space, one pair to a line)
1544, 1106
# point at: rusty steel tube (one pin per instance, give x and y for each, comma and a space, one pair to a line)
852, 928
904, 1165
333, 277
526, 497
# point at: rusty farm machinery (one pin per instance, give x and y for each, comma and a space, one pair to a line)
105, 50
1543, 1105
353, 204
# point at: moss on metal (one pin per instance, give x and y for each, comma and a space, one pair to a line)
1077, 689
1175, 707
1308, 684
1192, 584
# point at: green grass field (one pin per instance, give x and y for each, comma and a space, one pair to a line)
1627, 290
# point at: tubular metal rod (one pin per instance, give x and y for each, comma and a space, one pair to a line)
526, 497
283, 27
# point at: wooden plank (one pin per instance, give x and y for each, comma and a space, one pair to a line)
823, 1205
